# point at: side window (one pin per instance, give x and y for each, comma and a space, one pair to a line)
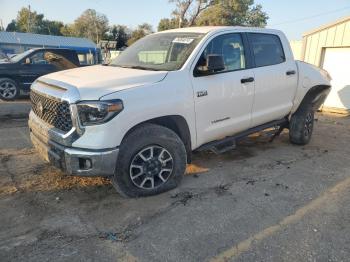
58, 61
230, 46
267, 49
38, 59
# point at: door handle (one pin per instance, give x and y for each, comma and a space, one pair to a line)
247, 80
291, 72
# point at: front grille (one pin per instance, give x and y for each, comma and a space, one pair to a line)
52, 111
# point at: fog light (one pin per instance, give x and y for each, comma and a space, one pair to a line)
85, 164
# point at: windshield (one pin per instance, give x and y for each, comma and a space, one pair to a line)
163, 52
20, 56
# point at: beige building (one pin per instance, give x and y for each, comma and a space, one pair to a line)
328, 47
297, 48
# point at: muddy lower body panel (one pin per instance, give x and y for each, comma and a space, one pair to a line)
73, 161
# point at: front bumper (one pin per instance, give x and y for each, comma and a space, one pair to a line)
55, 147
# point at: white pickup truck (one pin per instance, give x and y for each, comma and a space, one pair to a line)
138, 119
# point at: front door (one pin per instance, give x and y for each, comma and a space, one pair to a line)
37, 67
223, 103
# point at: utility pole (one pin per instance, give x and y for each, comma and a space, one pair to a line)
28, 20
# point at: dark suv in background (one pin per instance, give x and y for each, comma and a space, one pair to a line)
20, 71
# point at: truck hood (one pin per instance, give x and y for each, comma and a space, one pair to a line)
93, 82
4, 65
4, 61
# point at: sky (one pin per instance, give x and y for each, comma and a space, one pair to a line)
293, 17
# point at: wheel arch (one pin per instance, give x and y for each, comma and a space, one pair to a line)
176, 123
4, 76
316, 95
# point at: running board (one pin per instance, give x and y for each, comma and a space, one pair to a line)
229, 142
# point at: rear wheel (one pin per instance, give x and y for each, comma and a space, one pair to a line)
8, 89
152, 160
301, 125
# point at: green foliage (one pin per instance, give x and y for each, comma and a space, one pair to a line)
68, 30
120, 34
140, 32
233, 12
256, 17
12, 27
166, 24
51, 27
89, 24
28, 21
92, 25
216, 12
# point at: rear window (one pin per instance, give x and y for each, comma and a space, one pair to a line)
267, 49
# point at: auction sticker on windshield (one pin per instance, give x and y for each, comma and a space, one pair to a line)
183, 40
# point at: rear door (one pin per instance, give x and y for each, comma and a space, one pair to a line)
223, 103
275, 78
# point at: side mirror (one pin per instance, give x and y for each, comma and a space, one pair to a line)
214, 63
27, 61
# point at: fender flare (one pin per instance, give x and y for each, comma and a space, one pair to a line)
176, 123
316, 96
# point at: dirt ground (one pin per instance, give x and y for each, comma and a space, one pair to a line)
261, 202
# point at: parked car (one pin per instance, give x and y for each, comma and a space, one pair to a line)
18, 72
138, 119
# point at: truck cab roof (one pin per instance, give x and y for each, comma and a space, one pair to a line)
218, 29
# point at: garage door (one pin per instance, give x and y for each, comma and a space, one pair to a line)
337, 63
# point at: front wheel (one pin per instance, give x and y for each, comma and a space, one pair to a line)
8, 89
152, 160
301, 125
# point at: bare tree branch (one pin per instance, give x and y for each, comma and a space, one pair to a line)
182, 8
187, 11
201, 6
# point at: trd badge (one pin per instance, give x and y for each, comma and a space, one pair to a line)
202, 93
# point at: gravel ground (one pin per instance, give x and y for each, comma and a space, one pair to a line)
262, 202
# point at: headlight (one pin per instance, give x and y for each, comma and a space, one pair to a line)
98, 112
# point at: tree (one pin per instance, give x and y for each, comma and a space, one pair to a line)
233, 12
12, 27
256, 17
28, 21
68, 30
166, 24
147, 28
187, 11
91, 24
50, 27
140, 32
120, 34
217, 12
182, 7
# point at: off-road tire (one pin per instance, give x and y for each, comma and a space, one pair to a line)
9, 81
301, 125
143, 137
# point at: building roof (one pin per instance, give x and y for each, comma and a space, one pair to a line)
44, 40
337, 22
